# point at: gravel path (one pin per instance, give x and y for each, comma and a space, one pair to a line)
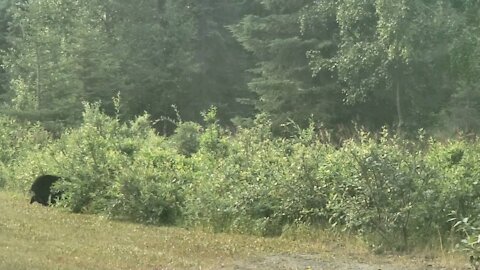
315, 262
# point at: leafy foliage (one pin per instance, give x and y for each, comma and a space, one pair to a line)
389, 53
186, 138
156, 53
388, 189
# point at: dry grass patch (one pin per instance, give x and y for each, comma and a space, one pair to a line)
37, 237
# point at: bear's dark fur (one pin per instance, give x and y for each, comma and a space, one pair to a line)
41, 189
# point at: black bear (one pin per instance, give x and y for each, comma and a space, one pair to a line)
41, 189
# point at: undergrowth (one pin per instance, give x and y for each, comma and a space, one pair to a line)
394, 192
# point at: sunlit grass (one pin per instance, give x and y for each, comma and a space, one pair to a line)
37, 237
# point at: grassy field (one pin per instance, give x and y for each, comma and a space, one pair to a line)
37, 237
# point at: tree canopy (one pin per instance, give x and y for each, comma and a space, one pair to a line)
405, 64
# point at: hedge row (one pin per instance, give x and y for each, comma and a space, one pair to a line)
393, 190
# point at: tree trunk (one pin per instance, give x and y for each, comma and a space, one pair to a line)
398, 105
38, 88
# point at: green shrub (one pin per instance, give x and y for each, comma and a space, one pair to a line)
469, 229
259, 185
455, 179
18, 142
151, 189
90, 157
378, 187
396, 192
186, 138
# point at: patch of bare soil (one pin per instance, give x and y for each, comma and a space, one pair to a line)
314, 262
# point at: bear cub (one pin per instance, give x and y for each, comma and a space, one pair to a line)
42, 192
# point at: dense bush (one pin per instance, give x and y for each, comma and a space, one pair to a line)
186, 138
378, 187
394, 191
18, 142
260, 184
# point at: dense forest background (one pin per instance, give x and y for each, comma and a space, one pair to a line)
404, 64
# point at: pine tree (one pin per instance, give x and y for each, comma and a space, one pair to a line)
282, 79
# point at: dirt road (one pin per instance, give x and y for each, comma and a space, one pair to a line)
315, 262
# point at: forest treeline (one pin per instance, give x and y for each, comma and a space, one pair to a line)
404, 64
